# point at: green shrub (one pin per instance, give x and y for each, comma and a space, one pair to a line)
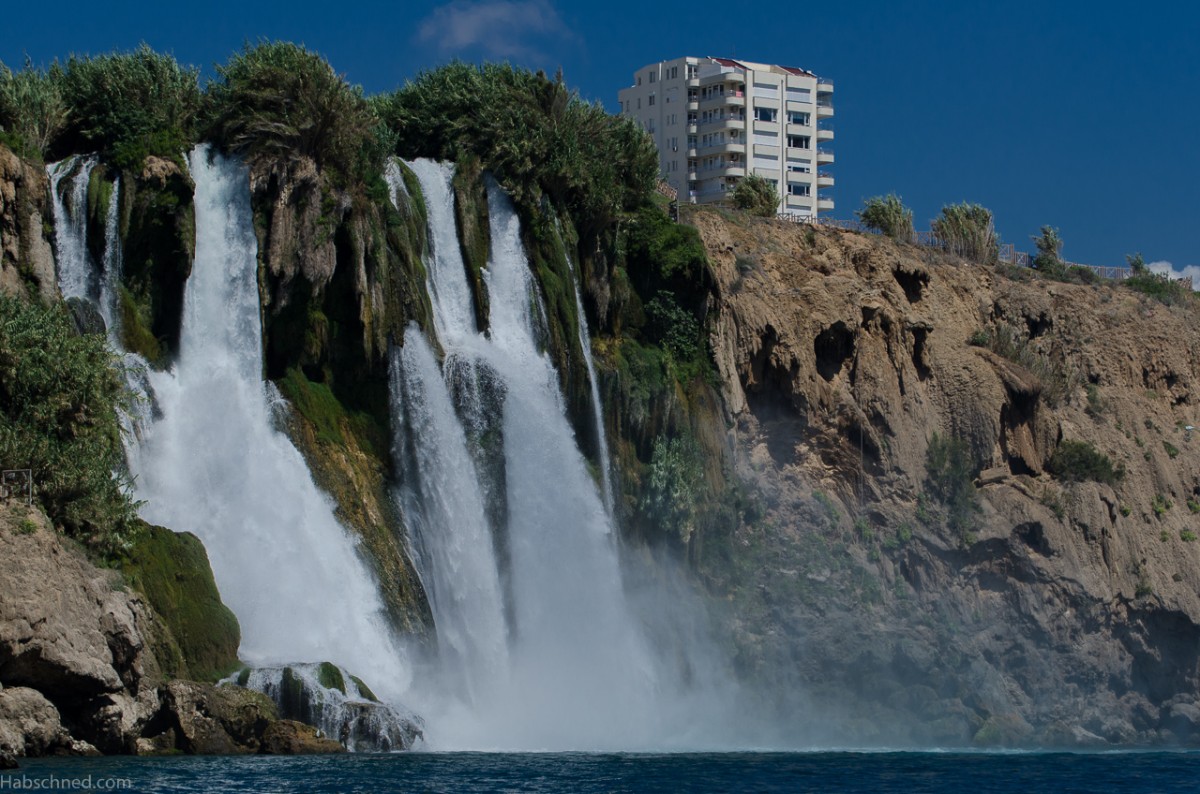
279, 101
129, 105
1187, 536
1160, 287
888, 215
59, 393
756, 195
1049, 253
1078, 460
32, 109
1171, 450
950, 473
968, 231
1160, 505
1193, 505
674, 485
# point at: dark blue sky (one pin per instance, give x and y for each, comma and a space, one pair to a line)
1083, 115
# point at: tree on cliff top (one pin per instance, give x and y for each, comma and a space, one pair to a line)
968, 230
278, 101
535, 134
32, 109
757, 196
888, 215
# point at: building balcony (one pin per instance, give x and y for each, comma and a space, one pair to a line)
824, 110
799, 202
720, 148
824, 157
693, 104
728, 100
825, 204
796, 153
824, 135
824, 86
692, 128
722, 124
824, 180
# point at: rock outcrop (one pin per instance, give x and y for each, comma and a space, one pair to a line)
1063, 611
26, 256
82, 656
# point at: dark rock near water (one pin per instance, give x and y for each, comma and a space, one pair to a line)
289, 737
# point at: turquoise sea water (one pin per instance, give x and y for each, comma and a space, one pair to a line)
974, 773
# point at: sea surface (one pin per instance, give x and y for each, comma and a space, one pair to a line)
974, 773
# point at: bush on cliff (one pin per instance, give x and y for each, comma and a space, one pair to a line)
59, 393
32, 110
129, 105
1079, 460
757, 196
951, 475
888, 215
968, 231
278, 101
537, 136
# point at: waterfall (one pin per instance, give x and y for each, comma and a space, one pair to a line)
585, 344
215, 464
111, 265
77, 276
462, 579
579, 672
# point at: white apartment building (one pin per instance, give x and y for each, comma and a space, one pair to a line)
717, 119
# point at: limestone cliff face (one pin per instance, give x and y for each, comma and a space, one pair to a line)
1069, 612
26, 257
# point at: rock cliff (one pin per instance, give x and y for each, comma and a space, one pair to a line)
1052, 608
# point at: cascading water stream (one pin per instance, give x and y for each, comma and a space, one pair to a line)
77, 277
215, 465
585, 344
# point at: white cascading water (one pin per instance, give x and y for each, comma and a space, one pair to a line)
463, 582
216, 465
111, 266
77, 276
579, 674
585, 344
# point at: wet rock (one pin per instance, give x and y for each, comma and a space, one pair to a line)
290, 737
217, 720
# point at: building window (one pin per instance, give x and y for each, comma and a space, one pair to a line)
798, 141
766, 114
651, 102
692, 71
799, 118
799, 190
799, 169
639, 103
691, 141
692, 117
651, 127
639, 79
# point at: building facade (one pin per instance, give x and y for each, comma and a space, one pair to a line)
715, 120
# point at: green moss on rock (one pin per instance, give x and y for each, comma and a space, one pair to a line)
172, 571
471, 213
330, 677
363, 689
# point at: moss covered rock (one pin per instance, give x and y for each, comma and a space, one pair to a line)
171, 570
